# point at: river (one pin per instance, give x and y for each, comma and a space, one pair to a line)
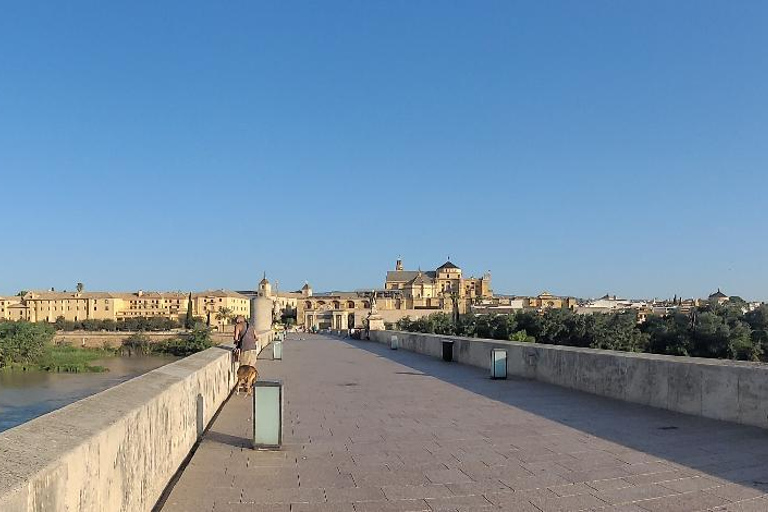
27, 395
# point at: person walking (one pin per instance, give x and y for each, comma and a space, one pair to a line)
245, 342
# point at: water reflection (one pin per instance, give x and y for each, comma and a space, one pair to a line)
26, 395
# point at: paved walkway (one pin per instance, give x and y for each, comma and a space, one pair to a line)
370, 429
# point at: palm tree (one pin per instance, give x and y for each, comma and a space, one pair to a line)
223, 315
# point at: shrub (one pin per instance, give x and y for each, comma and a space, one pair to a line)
708, 331
195, 340
59, 323
137, 343
23, 342
92, 325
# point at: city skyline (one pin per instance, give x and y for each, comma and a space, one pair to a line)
293, 285
579, 149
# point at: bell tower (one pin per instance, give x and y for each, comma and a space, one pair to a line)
265, 287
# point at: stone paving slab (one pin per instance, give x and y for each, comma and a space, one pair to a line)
369, 429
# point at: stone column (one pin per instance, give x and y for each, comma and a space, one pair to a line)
252, 315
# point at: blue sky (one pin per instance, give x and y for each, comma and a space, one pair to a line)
577, 147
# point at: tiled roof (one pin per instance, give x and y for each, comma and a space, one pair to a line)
48, 295
421, 279
219, 293
404, 276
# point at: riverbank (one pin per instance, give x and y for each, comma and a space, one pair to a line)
86, 339
30, 346
67, 359
28, 394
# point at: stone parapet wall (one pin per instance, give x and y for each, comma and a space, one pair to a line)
117, 450
264, 338
733, 391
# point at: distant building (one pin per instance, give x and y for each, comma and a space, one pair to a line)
282, 301
443, 282
5, 305
336, 310
546, 300
413, 293
605, 304
501, 305
718, 297
47, 306
506, 304
219, 307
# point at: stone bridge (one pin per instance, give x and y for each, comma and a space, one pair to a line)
373, 429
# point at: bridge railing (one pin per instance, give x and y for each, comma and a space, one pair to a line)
116, 450
735, 391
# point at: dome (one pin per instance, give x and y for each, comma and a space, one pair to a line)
447, 265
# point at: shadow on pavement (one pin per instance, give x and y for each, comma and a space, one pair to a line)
729, 451
227, 439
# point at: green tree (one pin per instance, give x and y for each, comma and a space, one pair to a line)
79, 287
504, 326
404, 324
522, 336
288, 316
59, 323
189, 322
467, 325
155, 323
580, 329
710, 335
758, 318
91, 324
554, 326
23, 342
618, 332
741, 344
669, 335
196, 339
530, 322
483, 327
223, 315
137, 343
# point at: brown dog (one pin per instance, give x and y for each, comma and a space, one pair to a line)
246, 375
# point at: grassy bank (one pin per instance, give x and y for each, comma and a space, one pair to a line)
71, 359
64, 359
29, 347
